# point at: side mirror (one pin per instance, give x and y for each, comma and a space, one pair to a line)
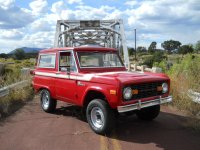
68, 70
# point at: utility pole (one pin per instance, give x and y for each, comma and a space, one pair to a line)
135, 44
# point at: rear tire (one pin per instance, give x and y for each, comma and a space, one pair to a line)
100, 116
48, 104
148, 113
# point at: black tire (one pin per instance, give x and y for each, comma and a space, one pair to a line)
103, 112
48, 104
148, 113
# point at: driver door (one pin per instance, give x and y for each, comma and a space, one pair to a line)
66, 77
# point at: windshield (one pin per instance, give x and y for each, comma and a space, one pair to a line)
99, 60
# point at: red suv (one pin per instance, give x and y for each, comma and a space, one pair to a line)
96, 79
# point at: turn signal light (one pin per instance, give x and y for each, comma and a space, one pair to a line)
159, 88
135, 92
113, 92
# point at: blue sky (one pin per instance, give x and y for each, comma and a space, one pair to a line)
32, 23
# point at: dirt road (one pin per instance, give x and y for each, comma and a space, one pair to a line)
31, 128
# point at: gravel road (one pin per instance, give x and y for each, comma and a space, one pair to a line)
31, 128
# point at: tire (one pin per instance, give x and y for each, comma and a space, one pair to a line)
48, 104
100, 116
148, 113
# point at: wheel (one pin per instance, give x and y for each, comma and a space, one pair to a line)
148, 113
100, 116
48, 104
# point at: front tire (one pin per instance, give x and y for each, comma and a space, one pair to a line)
148, 113
100, 116
48, 104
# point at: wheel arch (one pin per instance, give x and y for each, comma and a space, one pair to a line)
93, 94
46, 88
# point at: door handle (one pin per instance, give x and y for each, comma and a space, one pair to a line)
79, 83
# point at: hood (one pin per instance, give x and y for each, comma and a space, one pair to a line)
126, 77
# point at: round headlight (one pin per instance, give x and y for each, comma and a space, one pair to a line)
164, 87
127, 93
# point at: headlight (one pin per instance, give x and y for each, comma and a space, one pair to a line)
127, 93
164, 87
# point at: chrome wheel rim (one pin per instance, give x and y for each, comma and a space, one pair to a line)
45, 100
97, 117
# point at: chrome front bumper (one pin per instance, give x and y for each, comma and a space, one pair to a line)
139, 105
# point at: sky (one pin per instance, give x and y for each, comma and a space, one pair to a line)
31, 23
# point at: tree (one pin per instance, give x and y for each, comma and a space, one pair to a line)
141, 49
19, 54
131, 51
3, 55
152, 47
171, 45
158, 56
197, 47
185, 49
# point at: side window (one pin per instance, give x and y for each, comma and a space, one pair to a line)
67, 62
47, 61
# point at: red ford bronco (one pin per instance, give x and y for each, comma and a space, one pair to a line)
95, 79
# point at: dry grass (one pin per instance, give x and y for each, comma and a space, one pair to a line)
17, 97
15, 100
185, 76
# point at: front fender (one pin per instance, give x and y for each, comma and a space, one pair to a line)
112, 99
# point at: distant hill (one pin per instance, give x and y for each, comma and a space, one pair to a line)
28, 50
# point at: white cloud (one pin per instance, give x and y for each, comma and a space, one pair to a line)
12, 16
7, 3
157, 20
42, 24
11, 34
39, 39
39, 6
162, 20
131, 3
57, 7
74, 1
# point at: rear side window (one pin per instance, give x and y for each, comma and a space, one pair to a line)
47, 61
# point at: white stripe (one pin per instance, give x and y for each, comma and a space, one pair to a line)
86, 77
110, 73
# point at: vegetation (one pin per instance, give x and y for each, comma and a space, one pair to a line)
184, 75
182, 64
12, 72
152, 47
15, 100
19, 54
171, 45
157, 57
197, 47
10, 75
185, 49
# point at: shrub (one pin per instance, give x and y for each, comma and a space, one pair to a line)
15, 100
185, 76
158, 56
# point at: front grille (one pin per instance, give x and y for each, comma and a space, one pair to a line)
146, 90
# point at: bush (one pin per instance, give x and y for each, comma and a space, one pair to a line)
185, 76
158, 56
15, 100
